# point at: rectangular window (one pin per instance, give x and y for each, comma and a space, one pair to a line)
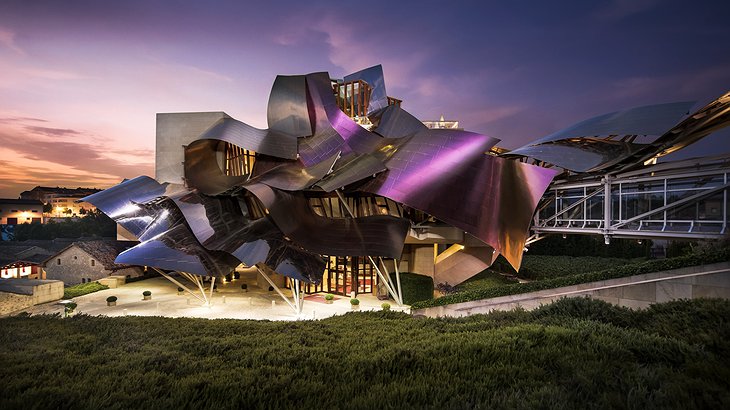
13, 210
58, 261
93, 262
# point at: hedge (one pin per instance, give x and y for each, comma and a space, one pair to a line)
575, 353
83, 289
415, 287
656, 265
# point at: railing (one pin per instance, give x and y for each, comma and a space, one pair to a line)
687, 199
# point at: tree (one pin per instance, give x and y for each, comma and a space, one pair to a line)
47, 208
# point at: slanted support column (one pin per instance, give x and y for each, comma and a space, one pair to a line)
185, 288
297, 305
386, 281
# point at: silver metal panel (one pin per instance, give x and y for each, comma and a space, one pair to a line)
268, 142
380, 235
174, 132
579, 149
121, 203
374, 77
395, 122
445, 173
353, 169
203, 170
646, 120
287, 110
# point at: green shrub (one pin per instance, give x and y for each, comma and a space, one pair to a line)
385, 306
83, 289
329, 296
617, 272
415, 287
111, 299
146, 293
70, 306
180, 290
354, 302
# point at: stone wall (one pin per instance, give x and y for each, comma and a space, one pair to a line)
17, 294
76, 265
637, 292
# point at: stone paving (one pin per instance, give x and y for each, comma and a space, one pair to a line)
228, 301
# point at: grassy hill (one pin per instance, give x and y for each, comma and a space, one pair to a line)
576, 353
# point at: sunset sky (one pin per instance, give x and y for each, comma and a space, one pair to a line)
81, 81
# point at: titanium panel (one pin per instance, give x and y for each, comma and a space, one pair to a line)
445, 173
177, 249
121, 203
356, 168
646, 120
222, 224
203, 169
268, 142
287, 110
380, 235
395, 122
295, 176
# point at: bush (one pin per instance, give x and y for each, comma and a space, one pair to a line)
244, 286
70, 306
180, 290
354, 302
146, 293
111, 299
329, 296
415, 287
83, 289
385, 306
657, 265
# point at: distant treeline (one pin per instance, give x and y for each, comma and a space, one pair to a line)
94, 223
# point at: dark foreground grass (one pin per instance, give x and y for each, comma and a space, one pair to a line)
576, 353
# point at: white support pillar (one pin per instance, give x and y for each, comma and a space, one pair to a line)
385, 280
276, 288
197, 281
607, 209
173, 280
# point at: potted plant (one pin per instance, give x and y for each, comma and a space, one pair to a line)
147, 295
386, 307
68, 308
244, 287
180, 290
329, 298
111, 301
355, 304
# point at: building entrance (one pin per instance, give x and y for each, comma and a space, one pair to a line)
344, 275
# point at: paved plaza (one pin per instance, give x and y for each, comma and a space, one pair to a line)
229, 301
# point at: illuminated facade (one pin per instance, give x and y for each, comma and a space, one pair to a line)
343, 187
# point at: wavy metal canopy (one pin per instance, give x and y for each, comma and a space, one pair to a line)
313, 148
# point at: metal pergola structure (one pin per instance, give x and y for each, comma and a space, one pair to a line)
680, 200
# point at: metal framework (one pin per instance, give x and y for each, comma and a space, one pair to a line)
680, 200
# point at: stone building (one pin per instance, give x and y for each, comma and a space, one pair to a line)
87, 261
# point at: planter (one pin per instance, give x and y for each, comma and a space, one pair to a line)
329, 302
111, 303
355, 307
147, 297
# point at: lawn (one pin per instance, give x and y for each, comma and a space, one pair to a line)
576, 353
83, 289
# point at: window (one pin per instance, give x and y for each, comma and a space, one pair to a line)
93, 262
35, 210
13, 210
76, 257
58, 261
